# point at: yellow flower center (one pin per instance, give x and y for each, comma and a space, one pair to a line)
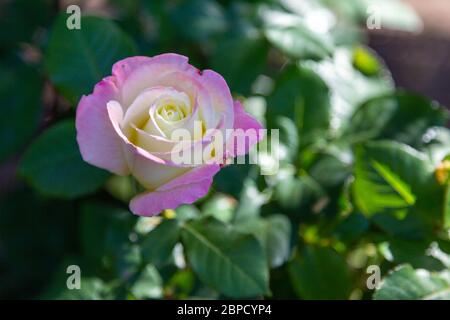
171, 113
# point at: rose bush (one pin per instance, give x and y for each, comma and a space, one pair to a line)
126, 126
362, 191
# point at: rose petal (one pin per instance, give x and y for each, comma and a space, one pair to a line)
220, 95
136, 74
183, 190
139, 109
97, 139
244, 122
150, 170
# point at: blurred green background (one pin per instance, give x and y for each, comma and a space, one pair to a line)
363, 183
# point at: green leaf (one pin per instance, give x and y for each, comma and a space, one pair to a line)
436, 144
230, 179
348, 87
303, 8
158, 244
298, 42
409, 227
233, 263
249, 54
400, 116
389, 176
414, 252
274, 234
331, 169
221, 207
289, 139
446, 207
250, 202
104, 234
21, 106
398, 185
320, 273
77, 59
187, 212
53, 164
406, 283
352, 228
148, 284
278, 239
296, 39
127, 260
292, 191
198, 20
349, 9
303, 97
181, 283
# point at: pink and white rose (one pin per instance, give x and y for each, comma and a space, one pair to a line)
126, 126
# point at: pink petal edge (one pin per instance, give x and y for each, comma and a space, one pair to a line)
185, 189
96, 137
244, 121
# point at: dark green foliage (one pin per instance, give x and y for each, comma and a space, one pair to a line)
91, 51
20, 98
363, 175
53, 164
